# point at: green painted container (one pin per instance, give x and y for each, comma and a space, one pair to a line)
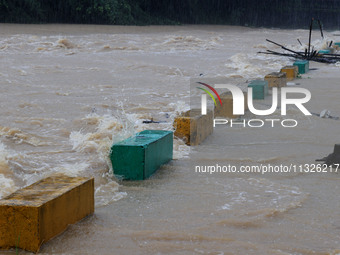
337, 43
260, 88
303, 66
324, 51
139, 156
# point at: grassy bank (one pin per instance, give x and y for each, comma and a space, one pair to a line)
266, 13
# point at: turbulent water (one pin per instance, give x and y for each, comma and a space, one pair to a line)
68, 92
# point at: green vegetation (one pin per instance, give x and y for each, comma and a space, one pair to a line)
268, 13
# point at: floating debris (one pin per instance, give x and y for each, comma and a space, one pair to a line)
292, 84
152, 121
326, 114
309, 53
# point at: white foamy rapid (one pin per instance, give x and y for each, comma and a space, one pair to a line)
6, 175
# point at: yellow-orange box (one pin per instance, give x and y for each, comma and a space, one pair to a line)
193, 127
276, 79
291, 72
226, 109
37, 213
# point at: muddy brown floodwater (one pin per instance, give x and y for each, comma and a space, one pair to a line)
69, 91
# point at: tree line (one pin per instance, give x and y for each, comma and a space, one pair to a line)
266, 13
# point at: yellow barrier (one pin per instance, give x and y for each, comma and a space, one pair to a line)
39, 212
276, 79
226, 109
291, 72
193, 127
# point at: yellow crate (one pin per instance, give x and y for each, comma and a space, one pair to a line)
291, 72
193, 127
226, 109
39, 212
276, 79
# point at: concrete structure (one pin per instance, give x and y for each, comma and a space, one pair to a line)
37, 213
226, 110
291, 72
303, 66
193, 127
276, 79
260, 88
324, 52
139, 156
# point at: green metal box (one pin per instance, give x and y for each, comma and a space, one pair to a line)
260, 88
337, 43
139, 156
303, 66
324, 51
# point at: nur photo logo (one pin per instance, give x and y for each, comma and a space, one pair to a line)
284, 97
204, 97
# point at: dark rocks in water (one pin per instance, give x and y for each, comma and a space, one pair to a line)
333, 158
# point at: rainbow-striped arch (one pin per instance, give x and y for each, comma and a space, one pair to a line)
208, 92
